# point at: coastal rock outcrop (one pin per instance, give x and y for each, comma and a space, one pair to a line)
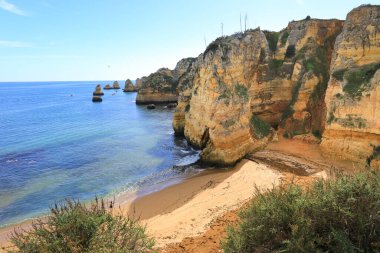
116, 85
245, 85
161, 86
108, 87
98, 91
353, 94
129, 87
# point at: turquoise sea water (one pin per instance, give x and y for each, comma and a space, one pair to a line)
56, 144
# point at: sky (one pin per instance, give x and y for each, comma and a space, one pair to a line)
74, 40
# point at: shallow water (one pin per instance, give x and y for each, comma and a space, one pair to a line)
55, 144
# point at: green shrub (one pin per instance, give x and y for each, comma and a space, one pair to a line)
262, 56
331, 118
284, 38
352, 121
228, 123
73, 227
260, 128
340, 215
338, 75
357, 79
275, 66
272, 38
242, 92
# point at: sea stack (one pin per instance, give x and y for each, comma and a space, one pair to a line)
98, 91
108, 87
129, 87
116, 85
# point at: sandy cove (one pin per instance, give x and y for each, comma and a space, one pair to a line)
188, 209
194, 216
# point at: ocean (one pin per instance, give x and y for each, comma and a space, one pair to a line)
55, 143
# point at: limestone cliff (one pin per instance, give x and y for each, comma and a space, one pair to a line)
244, 84
185, 89
161, 86
353, 94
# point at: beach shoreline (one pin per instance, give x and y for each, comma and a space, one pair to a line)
187, 206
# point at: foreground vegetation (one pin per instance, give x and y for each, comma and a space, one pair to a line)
341, 215
73, 227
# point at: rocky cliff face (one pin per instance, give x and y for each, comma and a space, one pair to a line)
161, 86
245, 85
217, 117
353, 94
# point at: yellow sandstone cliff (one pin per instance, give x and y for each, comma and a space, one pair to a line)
246, 85
353, 95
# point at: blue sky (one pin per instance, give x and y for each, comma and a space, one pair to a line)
52, 40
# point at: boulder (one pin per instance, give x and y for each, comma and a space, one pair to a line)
151, 106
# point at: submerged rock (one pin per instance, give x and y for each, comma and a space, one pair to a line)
97, 99
98, 91
151, 106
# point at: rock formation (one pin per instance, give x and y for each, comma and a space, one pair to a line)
108, 87
98, 91
139, 82
161, 86
129, 87
353, 95
116, 85
246, 84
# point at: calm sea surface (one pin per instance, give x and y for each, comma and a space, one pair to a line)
55, 144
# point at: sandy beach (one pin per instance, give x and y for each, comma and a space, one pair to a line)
190, 208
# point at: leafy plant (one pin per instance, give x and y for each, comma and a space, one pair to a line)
272, 38
284, 37
260, 128
242, 92
73, 227
340, 215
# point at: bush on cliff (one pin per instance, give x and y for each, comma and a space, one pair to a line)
341, 215
73, 227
